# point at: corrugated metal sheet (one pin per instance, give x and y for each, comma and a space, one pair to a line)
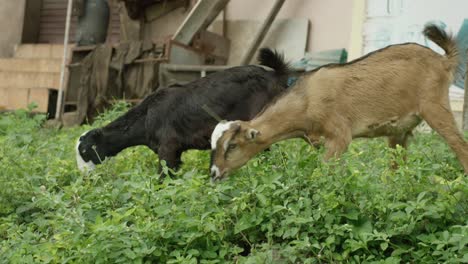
52, 23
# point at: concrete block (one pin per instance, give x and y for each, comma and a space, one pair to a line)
57, 51
30, 65
70, 119
29, 79
39, 51
17, 98
20, 98
40, 96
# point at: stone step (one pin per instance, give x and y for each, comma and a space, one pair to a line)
29, 79
30, 65
39, 51
70, 119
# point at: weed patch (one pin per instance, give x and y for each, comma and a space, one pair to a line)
285, 206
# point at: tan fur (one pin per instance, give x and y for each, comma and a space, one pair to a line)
387, 93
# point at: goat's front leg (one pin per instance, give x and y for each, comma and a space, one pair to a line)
401, 140
337, 133
171, 156
313, 140
336, 145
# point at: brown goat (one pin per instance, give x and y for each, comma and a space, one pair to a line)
385, 93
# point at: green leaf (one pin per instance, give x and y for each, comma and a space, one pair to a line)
290, 232
261, 198
330, 240
193, 252
129, 253
420, 196
352, 215
244, 223
384, 246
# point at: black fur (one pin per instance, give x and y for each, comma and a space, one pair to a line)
171, 120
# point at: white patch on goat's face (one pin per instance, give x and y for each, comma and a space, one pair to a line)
215, 173
218, 132
225, 145
83, 165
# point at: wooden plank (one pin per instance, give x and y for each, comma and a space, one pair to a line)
56, 31
201, 16
53, 12
56, 19
54, 39
157, 10
52, 23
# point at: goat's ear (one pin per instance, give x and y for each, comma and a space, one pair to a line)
251, 134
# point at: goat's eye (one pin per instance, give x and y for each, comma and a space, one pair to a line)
232, 146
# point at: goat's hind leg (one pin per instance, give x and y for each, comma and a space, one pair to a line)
441, 119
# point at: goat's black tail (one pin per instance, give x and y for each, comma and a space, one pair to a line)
274, 60
445, 41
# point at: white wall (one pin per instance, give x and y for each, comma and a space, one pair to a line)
396, 21
330, 20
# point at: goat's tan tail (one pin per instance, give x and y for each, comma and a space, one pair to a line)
445, 41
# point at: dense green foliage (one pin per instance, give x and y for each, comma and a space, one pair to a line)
284, 207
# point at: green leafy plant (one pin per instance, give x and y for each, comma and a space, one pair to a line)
285, 206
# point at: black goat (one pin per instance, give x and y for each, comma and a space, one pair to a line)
172, 120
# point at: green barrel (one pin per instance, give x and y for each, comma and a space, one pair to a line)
93, 24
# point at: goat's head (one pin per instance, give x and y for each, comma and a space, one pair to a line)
88, 150
232, 145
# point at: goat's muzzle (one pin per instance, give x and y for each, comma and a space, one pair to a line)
215, 173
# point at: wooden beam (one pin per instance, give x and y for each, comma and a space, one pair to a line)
201, 16
262, 32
